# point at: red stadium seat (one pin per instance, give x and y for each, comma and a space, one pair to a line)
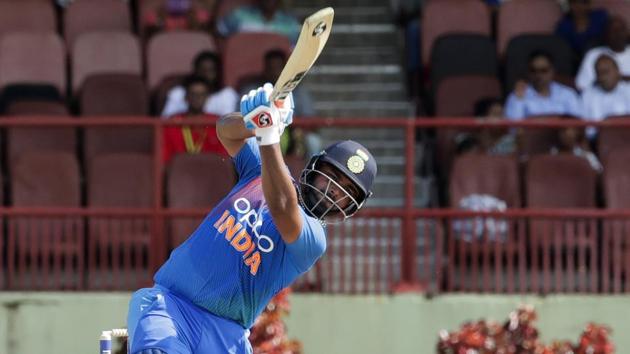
39, 139
611, 138
172, 53
45, 252
441, 17
525, 17
27, 16
456, 96
238, 66
83, 16
560, 181
118, 247
196, 181
33, 58
104, 53
617, 179
115, 95
485, 174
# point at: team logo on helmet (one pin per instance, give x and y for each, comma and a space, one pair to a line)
356, 164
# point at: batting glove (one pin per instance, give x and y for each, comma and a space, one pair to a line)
267, 119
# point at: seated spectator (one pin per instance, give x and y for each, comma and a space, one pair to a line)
489, 141
615, 46
573, 140
296, 140
582, 26
609, 96
178, 15
263, 16
195, 139
222, 99
542, 95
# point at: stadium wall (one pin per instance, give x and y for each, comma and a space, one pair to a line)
65, 323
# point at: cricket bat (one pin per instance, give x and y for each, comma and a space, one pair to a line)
312, 39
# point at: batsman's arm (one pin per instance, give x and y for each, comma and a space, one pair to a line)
232, 133
280, 193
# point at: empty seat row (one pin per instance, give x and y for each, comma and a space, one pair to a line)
515, 17
40, 57
470, 54
551, 181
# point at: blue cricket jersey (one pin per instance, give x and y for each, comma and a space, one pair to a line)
236, 261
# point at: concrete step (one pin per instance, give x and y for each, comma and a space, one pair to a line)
345, 39
360, 55
364, 109
363, 92
365, 13
388, 134
334, 75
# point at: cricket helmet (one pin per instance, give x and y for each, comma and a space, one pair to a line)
352, 160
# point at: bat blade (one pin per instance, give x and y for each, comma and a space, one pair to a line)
315, 32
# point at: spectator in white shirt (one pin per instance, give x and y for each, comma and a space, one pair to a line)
222, 99
609, 96
542, 96
616, 47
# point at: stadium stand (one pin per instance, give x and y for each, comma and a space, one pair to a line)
86, 16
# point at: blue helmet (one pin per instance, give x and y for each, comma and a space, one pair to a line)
351, 159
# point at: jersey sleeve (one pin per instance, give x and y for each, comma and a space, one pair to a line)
310, 245
247, 161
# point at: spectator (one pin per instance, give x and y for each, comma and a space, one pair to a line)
542, 96
195, 139
222, 99
573, 140
262, 16
178, 15
489, 141
582, 26
609, 96
615, 46
296, 140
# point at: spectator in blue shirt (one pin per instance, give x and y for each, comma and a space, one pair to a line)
542, 95
582, 27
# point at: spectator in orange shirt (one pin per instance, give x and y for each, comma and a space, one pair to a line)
174, 15
192, 139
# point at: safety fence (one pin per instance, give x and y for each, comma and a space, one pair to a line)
378, 251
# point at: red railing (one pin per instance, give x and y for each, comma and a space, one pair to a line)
378, 251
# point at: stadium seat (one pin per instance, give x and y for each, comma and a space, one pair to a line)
45, 253
521, 47
538, 141
115, 95
172, 53
518, 17
33, 58
22, 140
196, 181
104, 53
614, 7
450, 17
485, 174
560, 181
118, 247
27, 16
617, 179
456, 96
83, 16
611, 138
237, 66
462, 54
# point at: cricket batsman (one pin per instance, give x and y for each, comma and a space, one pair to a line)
265, 233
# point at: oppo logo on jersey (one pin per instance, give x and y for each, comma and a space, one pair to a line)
239, 238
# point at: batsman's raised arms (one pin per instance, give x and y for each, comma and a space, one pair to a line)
313, 37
